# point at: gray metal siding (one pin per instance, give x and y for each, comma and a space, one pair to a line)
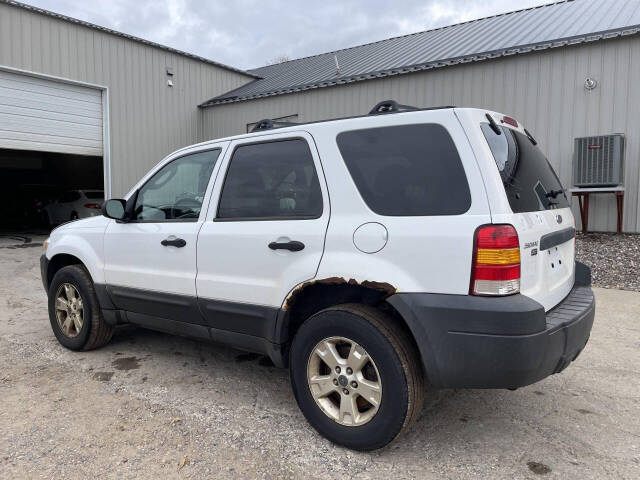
147, 119
543, 90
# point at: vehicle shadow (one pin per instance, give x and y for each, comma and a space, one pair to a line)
211, 375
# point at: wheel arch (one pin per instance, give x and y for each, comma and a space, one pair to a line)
59, 261
311, 297
72, 249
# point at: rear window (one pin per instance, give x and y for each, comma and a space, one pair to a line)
407, 170
529, 180
94, 195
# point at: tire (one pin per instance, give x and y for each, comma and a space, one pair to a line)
94, 332
396, 364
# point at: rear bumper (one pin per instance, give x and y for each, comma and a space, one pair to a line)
508, 342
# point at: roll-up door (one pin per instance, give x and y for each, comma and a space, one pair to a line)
47, 115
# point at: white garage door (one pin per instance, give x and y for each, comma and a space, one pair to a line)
45, 115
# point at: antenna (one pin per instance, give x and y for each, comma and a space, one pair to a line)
335, 57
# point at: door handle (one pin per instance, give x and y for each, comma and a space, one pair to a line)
292, 246
176, 242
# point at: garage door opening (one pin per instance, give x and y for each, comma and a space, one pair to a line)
51, 150
39, 190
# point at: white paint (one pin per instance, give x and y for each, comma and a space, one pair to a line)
231, 261
539, 280
370, 237
133, 253
234, 261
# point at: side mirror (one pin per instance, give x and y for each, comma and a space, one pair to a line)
114, 208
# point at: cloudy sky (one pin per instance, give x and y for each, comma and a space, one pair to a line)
251, 33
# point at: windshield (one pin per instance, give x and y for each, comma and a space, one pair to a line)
529, 180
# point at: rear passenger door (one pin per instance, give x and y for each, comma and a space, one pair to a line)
264, 232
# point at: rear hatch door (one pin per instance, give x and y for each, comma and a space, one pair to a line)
536, 205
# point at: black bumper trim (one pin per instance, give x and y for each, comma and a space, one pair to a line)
464, 344
550, 240
44, 266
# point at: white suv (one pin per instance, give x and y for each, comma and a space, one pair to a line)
370, 255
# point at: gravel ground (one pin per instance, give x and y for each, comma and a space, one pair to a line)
614, 259
147, 403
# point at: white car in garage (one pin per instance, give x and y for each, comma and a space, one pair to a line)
75, 204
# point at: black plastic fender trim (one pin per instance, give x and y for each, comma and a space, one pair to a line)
434, 318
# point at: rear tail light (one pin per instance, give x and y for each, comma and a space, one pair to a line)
496, 261
96, 206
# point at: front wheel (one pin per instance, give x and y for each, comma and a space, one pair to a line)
356, 376
74, 311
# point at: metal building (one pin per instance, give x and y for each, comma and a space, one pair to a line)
73, 94
536, 64
85, 93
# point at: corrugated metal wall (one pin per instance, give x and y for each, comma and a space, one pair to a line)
147, 118
544, 90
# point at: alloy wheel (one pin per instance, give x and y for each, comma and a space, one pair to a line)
344, 381
69, 310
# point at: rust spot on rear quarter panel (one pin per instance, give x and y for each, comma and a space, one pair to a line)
385, 288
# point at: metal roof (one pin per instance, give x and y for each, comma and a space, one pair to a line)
124, 35
553, 25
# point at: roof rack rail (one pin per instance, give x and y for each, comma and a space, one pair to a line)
268, 124
391, 106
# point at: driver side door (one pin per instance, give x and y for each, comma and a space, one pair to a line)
150, 261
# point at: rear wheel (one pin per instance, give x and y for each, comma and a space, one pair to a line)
74, 311
356, 376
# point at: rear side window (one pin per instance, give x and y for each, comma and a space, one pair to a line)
94, 195
529, 180
271, 181
406, 170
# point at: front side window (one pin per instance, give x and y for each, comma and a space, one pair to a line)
529, 180
273, 180
406, 170
176, 191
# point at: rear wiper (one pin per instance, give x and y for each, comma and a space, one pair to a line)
530, 137
554, 193
494, 126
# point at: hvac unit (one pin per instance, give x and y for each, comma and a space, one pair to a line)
597, 161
